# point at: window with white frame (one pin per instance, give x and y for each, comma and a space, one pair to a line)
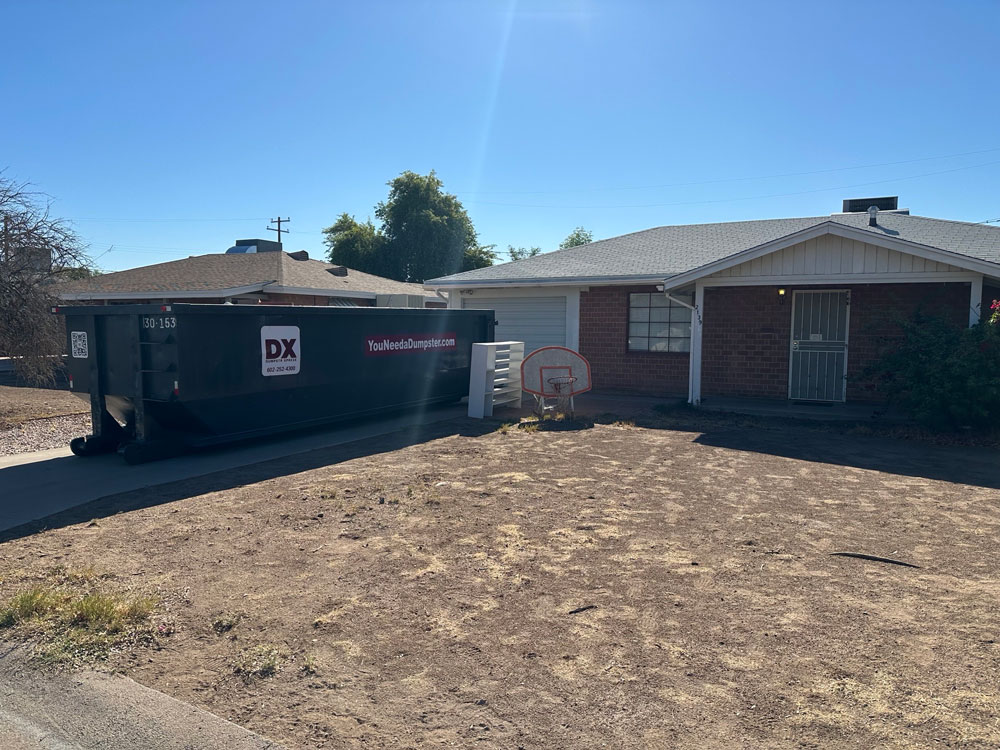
657, 324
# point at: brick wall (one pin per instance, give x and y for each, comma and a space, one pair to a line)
745, 342
747, 330
604, 341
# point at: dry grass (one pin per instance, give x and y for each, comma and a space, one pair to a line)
68, 617
262, 660
226, 622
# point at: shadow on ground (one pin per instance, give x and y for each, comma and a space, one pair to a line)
859, 445
250, 474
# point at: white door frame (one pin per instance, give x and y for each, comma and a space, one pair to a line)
847, 335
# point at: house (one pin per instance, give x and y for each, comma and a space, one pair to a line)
779, 308
248, 275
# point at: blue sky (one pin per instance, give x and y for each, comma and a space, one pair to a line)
170, 129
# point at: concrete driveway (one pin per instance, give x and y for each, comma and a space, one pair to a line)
36, 485
62, 710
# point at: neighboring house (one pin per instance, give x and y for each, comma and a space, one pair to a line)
268, 278
779, 308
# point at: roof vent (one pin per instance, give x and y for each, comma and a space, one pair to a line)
873, 216
338, 270
298, 255
861, 205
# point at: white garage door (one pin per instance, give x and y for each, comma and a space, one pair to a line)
537, 321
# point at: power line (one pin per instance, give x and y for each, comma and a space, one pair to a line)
725, 179
152, 221
744, 198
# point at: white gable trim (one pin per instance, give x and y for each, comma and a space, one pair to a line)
830, 227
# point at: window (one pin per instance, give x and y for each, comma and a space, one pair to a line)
656, 324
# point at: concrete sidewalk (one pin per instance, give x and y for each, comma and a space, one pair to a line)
63, 710
36, 485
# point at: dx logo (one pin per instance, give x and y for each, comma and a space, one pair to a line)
280, 350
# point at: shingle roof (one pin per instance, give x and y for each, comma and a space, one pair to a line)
217, 272
667, 251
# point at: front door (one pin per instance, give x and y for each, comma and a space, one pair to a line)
817, 367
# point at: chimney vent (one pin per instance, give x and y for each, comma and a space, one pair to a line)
873, 216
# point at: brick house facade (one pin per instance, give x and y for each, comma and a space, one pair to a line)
604, 342
747, 335
695, 310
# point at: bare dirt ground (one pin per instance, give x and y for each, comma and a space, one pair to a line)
18, 405
669, 586
33, 419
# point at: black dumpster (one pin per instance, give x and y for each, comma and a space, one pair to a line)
165, 378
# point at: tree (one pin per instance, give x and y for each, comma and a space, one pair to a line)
424, 233
520, 253
427, 231
578, 236
36, 252
355, 245
481, 256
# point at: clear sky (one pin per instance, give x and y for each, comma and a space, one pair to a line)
166, 129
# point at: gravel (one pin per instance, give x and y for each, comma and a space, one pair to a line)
41, 434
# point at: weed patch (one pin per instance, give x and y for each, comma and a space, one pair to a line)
69, 619
262, 660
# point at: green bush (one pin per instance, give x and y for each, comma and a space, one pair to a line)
944, 376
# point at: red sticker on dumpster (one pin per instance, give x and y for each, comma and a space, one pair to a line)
409, 343
280, 350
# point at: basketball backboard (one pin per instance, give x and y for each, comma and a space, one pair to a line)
555, 372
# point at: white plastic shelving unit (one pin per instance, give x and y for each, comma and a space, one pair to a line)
495, 378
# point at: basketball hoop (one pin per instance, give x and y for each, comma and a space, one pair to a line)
555, 372
563, 385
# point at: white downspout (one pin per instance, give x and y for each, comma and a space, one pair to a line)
694, 357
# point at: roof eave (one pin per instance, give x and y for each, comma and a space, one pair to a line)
548, 281
164, 293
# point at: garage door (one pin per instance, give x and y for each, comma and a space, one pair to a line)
537, 321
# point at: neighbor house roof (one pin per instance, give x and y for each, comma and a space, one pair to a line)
222, 275
668, 251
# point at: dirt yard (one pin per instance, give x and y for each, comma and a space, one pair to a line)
670, 586
18, 405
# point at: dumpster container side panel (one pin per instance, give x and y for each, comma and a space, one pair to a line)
199, 374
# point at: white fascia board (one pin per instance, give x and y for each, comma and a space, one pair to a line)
574, 281
839, 278
164, 294
319, 292
840, 230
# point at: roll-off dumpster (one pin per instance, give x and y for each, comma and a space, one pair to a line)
164, 378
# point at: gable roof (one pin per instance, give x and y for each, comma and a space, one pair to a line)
221, 275
663, 252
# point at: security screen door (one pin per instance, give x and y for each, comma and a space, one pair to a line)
817, 368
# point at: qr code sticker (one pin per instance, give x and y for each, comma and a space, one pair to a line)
78, 341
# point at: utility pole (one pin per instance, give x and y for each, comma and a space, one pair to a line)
279, 230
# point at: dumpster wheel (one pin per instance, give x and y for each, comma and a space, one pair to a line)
92, 445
